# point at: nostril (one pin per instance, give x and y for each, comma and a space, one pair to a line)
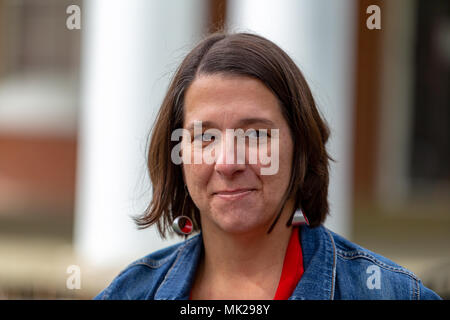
227, 169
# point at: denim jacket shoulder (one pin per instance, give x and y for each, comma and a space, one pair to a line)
363, 274
334, 268
165, 274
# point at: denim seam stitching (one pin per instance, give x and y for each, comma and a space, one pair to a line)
417, 290
154, 264
334, 265
359, 254
171, 268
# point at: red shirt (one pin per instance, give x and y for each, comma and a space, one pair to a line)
292, 268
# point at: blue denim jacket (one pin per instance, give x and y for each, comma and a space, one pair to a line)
334, 268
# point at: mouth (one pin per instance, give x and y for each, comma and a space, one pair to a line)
233, 194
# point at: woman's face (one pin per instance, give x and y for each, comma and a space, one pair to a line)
235, 197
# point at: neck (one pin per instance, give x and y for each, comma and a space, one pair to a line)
253, 261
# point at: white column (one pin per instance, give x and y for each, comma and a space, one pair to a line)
130, 51
320, 37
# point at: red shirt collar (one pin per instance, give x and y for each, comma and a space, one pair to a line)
292, 267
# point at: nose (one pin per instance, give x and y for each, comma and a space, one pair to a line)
228, 170
228, 162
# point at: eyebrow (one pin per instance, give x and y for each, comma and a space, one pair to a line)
242, 122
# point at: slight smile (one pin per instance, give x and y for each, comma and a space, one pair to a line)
233, 194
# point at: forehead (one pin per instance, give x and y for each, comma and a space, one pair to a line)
228, 99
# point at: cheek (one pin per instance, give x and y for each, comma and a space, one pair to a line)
286, 151
274, 157
279, 182
196, 178
286, 157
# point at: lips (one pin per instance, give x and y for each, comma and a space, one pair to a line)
234, 193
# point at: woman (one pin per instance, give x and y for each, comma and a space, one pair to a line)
238, 154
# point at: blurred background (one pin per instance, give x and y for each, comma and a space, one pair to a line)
79, 90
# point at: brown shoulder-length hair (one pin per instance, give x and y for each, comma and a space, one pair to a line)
250, 55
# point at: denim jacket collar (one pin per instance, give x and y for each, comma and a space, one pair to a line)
317, 282
178, 280
319, 262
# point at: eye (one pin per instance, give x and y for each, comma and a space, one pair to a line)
208, 137
256, 134
204, 137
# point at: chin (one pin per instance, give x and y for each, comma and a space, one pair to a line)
239, 222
